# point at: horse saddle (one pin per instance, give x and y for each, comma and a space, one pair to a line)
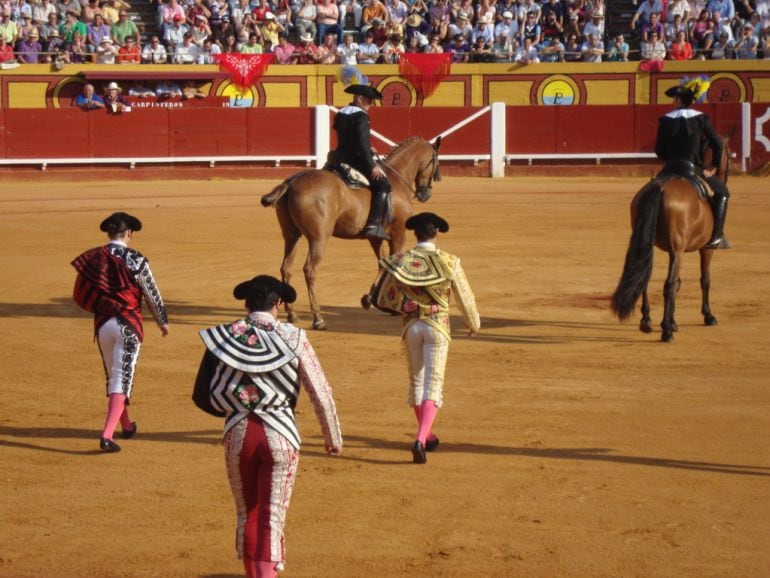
353, 178
686, 170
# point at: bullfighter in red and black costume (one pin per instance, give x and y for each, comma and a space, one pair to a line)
110, 284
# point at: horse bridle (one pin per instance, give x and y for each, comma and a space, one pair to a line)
434, 175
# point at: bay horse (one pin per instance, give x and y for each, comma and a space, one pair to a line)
317, 204
668, 213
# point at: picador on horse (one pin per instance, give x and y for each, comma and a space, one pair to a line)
354, 150
683, 136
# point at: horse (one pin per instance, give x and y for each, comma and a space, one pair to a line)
317, 204
668, 213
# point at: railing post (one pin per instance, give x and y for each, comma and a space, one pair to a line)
745, 134
498, 130
322, 135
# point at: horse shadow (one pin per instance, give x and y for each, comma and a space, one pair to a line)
356, 445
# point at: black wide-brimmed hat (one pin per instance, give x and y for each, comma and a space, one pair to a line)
364, 90
422, 218
265, 283
119, 222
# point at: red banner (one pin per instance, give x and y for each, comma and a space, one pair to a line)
245, 69
425, 71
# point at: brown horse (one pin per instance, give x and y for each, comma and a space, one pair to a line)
670, 214
317, 204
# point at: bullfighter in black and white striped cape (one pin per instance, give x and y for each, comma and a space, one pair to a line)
251, 374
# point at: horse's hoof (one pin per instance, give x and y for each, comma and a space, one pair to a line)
366, 302
645, 327
667, 337
710, 320
674, 327
319, 325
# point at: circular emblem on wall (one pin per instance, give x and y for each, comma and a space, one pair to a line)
396, 92
726, 88
558, 90
66, 91
240, 97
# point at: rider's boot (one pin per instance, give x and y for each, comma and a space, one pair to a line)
377, 215
720, 212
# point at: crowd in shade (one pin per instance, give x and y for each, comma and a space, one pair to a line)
373, 31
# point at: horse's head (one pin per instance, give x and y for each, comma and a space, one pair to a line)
427, 173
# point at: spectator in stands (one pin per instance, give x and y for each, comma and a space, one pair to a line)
723, 48
8, 29
654, 25
63, 5
328, 20
223, 30
41, 9
6, 51
379, 32
28, 49
677, 8
527, 53
26, 27
551, 49
764, 43
77, 51
252, 46
284, 52
721, 11
747, 45
592, 49
175, 34
307, 51
762, 10
653, 48
484, 31
354, 8
49, 26
96, 31
106, 52
642, 15
197, 8
327, 52
129, 53
154, 52
200, 31
461, 25
172, 13
554, 7
434, 45
249, 26
503, 6
460, 49
680, 49
572, 49
375, 10
619, 50
260, 11
368, 52
272, 28
208, 52
140, 90
90, 10
168, 89
124, 28
88, 99
481, 51
71, 25
702, 33
230, 45
573, 24
397, 14
190, 91
551, 27
393, 49
508, 27
284, 15
416, 26
238, 11
673, 29
347, 52
111, 10
187, 51
114, 101
486, 8
305, 21
595, 25
532, 6
531, 30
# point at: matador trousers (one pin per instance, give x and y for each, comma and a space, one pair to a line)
261, 467
426, 353
119, 347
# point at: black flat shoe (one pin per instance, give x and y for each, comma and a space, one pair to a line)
127, 434
418, 453
432, 445
108, 446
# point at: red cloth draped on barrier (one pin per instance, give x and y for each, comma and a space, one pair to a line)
651, 65
425, 71
245, 69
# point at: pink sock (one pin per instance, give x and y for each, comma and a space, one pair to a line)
115, 408
266, 569
427, 416
418, 414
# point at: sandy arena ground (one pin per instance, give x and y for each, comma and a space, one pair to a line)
572, 444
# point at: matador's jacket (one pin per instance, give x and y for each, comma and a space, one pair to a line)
257, 365
111, 282
418, 284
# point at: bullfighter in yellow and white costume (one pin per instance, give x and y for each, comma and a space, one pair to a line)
418, 284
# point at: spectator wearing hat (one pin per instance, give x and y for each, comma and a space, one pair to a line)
106, 52
196, 9
124, 28
595, 25
170, 13
417, 283
70, 26
112, 280
572, 27
28, 49
174, 34
328, 19
8, 29
154, 52
129, 53
747, 45
271, 29
416, 25
256, 395
379, 32
507, 27
96, 31
114, 101
307, 51
55, 48
353, 130
223, 30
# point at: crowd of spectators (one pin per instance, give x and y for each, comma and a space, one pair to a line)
373, 31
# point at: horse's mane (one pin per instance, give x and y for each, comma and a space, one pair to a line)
401, 148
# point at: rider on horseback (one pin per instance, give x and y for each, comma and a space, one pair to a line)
354, 148
680, 142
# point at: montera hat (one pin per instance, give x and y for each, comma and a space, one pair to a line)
119, 222
690, 89
364, 90
265, 284
421, 219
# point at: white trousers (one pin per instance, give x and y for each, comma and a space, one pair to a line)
426, 353
119, 347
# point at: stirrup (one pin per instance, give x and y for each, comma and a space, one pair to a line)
714, 243
375, 232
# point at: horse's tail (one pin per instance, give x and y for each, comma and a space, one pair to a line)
638, 265
271, 199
